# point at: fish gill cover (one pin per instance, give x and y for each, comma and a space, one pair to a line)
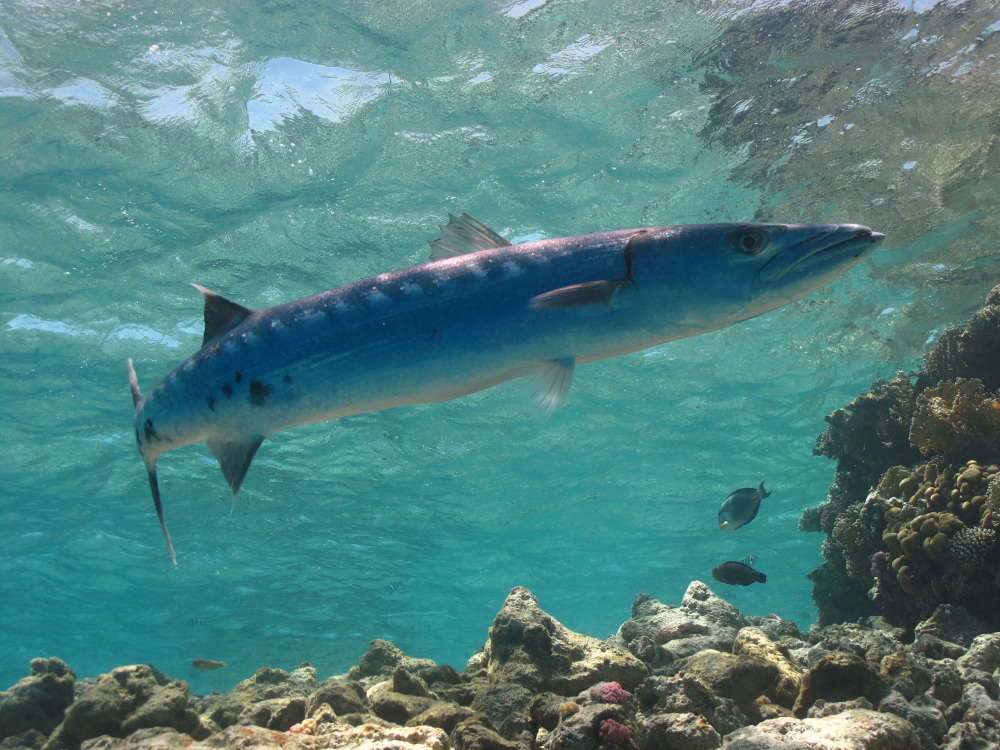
271, 150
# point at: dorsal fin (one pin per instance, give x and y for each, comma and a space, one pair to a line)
463, 234
221, 315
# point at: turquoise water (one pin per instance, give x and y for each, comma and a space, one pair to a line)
271, 150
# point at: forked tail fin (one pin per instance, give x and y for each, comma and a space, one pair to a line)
133, 382
155, 487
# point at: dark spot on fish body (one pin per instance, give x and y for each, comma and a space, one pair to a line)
259, 393
238, 376
150, 431
227, 389
430, 287
394, 292
358, 300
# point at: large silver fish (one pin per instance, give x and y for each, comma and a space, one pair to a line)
480, 313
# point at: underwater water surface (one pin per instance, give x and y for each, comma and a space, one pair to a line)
271, 150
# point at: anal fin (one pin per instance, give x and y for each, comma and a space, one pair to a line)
552, 384
234, 457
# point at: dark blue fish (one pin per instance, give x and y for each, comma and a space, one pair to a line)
737, 574
390, 588
741, 507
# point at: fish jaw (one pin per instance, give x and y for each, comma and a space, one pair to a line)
709, 276
811, 258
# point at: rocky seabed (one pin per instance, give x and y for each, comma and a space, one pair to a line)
691, 677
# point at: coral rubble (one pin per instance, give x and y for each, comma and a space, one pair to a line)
913, 513
697, 676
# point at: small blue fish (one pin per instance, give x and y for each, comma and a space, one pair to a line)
390, 588
750, 560
741, 507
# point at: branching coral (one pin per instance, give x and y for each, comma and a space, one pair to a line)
870, 433
971, 351
858, 534
957, 418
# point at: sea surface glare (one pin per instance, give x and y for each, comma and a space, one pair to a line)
269, 151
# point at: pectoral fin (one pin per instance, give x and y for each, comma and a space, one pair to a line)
234, 459
552, 384
592, 293
463, 234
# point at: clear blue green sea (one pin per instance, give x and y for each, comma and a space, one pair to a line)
270, 150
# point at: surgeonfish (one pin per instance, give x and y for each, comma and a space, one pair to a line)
208, 664
737, 574
481, 312
741, 507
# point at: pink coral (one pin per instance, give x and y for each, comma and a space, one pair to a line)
612, 692
880, 564
615, 731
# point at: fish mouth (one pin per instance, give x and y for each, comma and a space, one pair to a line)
832, 248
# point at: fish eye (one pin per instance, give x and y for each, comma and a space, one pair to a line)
750, 241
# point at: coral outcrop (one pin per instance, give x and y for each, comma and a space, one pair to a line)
913, 515
698, 676
124, 701
37, 703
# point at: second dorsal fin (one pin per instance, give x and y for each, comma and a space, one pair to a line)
221, 315
463, 234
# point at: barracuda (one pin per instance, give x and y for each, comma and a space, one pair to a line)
481, 312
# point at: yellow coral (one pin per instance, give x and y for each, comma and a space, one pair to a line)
568, 708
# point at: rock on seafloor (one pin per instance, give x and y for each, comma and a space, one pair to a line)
697, 676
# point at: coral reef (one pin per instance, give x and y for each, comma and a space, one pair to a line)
956, 418
913, 512
536, 685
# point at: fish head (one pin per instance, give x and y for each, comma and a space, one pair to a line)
714, 275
